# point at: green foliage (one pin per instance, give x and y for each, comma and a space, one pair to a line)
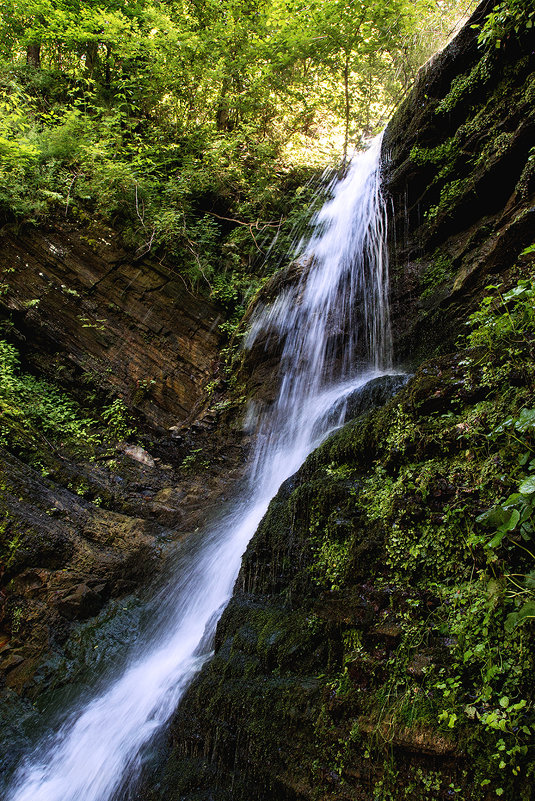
330, 562
35, 414
507, 21
436, 155
31, 405
438, 273
179, 124
450, 194
194, 461
118, 420
484, 616
330, 537
504, 327
512, 521
493, 658
465, 84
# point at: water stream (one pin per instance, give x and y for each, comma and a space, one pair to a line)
336, 338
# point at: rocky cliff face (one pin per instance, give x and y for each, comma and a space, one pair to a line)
375, 647
86, 306
460, 170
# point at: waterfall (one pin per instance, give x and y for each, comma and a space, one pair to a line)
335, 333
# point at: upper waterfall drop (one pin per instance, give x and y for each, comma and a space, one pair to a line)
335, 323
336, 338
345, 264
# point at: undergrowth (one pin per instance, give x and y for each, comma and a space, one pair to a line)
35, 414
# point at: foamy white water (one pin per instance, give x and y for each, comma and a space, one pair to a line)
342, 312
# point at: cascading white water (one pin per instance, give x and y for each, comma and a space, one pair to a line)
342, 295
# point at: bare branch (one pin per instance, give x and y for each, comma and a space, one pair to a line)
259, 226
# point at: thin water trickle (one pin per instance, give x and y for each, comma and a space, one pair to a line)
336, 339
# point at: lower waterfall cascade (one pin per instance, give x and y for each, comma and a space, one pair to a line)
335, 338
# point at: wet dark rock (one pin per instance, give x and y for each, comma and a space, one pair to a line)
64, 557
80, 603
10, 661
373, 394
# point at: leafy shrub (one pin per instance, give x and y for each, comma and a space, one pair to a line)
508, 19
117, 418
30, 404
504, 318
33, 411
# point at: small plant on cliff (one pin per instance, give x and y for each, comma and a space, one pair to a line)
507, 20
118, 421
512, 523
465, 84
31, 406
438, 273
194, 461
503, 328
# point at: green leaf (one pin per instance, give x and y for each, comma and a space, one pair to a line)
520, 705
501, 428
529, 580
513, 520
515, 292
527, 487
526, 531
526, 419
512, 500
515, 618
504, 702
497, 539
493, 517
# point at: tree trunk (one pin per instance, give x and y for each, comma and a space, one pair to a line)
222, 111
91, 58
108, 68
33, 55
347, 106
